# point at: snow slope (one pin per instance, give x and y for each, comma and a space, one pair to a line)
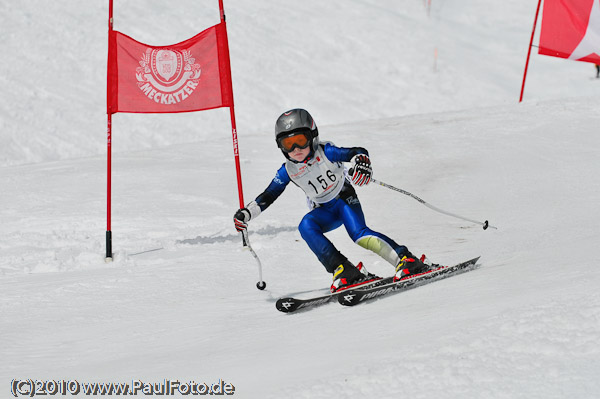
179, 301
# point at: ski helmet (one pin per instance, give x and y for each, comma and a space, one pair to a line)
293, 122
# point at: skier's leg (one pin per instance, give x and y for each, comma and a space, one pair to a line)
399, 256
382, 245
312, 229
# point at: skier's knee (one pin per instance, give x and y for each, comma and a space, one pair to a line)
307, 227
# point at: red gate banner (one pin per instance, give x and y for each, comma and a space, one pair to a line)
193, 75
571, 29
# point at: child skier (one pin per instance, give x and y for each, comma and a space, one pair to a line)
318, 170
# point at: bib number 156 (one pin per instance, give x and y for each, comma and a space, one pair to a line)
322, 182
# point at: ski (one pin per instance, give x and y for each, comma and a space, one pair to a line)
355, 296
289, 304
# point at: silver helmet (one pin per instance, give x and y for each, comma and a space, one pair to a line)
295, 121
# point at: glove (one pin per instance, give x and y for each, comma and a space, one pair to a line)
361, 170
241, 219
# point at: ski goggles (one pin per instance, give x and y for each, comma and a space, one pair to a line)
295, 140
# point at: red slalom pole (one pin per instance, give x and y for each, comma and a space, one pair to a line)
236, 155
108, 191
529, 51
109, 254
234, 135
261, 285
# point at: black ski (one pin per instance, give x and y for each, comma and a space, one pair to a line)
355, 296
289, 304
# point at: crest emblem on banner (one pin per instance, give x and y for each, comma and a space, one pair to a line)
167, 76
166, 65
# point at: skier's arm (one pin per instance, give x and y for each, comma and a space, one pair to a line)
273, 191
357, 156
343, 154
263, 201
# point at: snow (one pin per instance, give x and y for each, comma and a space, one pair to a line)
179, 300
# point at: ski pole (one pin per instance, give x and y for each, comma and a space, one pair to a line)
484, 224
261, 285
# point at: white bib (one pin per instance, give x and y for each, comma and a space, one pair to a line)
321, 179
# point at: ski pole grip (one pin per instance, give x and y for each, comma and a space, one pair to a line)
244, 238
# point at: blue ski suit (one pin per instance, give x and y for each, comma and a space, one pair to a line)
334, 203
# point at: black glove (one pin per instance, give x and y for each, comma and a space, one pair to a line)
362, 170
241, 219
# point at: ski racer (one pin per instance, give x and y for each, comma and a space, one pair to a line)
317, 168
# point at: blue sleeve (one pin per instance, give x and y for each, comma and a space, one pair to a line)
278, 184
341, 154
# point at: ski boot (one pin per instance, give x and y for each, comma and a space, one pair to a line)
347, 275
410, 266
